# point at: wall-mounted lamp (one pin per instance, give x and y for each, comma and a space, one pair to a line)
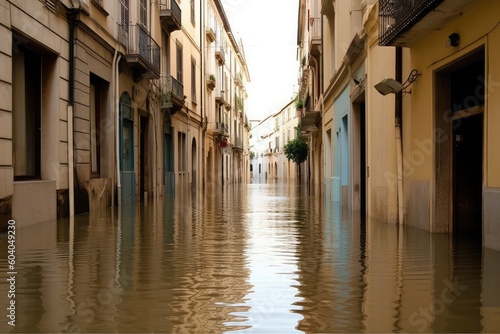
389, 85
453, 40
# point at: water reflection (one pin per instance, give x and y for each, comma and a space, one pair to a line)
259, 258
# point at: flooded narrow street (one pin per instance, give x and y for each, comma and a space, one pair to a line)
260, 258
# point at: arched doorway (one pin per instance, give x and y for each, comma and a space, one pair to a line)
194, 164
127, 172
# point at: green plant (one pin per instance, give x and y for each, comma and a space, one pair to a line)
166, 100
303, 61
211, 77
296, 150
299, 104
252, 155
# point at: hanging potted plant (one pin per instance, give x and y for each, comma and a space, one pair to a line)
211, 82
299, 105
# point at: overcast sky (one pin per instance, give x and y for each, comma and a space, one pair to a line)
268, 29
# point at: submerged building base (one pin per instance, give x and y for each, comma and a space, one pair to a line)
34, 202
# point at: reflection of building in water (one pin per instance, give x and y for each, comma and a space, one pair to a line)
268, 259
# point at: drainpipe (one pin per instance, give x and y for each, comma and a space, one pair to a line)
71, 15
399, 134
202, 92
114, 84
117, 130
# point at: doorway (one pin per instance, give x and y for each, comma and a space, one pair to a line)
359, 158
127, 169
460, 97
194, 163
143, 158
468, 175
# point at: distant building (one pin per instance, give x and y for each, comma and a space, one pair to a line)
267, 142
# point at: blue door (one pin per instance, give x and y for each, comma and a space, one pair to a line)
127, 173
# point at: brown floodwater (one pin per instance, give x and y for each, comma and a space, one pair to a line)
259, 258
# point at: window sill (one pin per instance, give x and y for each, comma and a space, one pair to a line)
100, 7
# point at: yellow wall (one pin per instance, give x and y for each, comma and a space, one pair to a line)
476, 27
381, 143
492, 169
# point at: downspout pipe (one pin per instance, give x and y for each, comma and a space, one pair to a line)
202, 91
72, 14
399, 134
117, 130
114, 83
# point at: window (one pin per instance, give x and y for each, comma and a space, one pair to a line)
181, 151
95, 121
143, 12
124, 22
26, 98
179, 62
193, 18
124, 12
98, 116
193, 80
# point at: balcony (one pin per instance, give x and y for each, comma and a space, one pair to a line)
304, 83
405, 22
220, 54
238, 79
237, 145
143, 53
221, 129
315, 36
170, 15
221, 96
172, 94
210, 29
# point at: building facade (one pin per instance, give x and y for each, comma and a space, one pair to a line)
109, 102
268, 139
405, 111
450, 168
226, 76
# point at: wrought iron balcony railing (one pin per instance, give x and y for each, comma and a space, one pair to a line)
221, 128
142, 50
220, 53
172, 93
210, 28
314, 36
170, 15
397, 16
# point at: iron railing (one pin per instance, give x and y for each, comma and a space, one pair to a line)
397, 16
139, 43
314, 29
173, 86
220, 53
222, 127
173, 7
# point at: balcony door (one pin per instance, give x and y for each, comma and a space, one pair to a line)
124, 21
